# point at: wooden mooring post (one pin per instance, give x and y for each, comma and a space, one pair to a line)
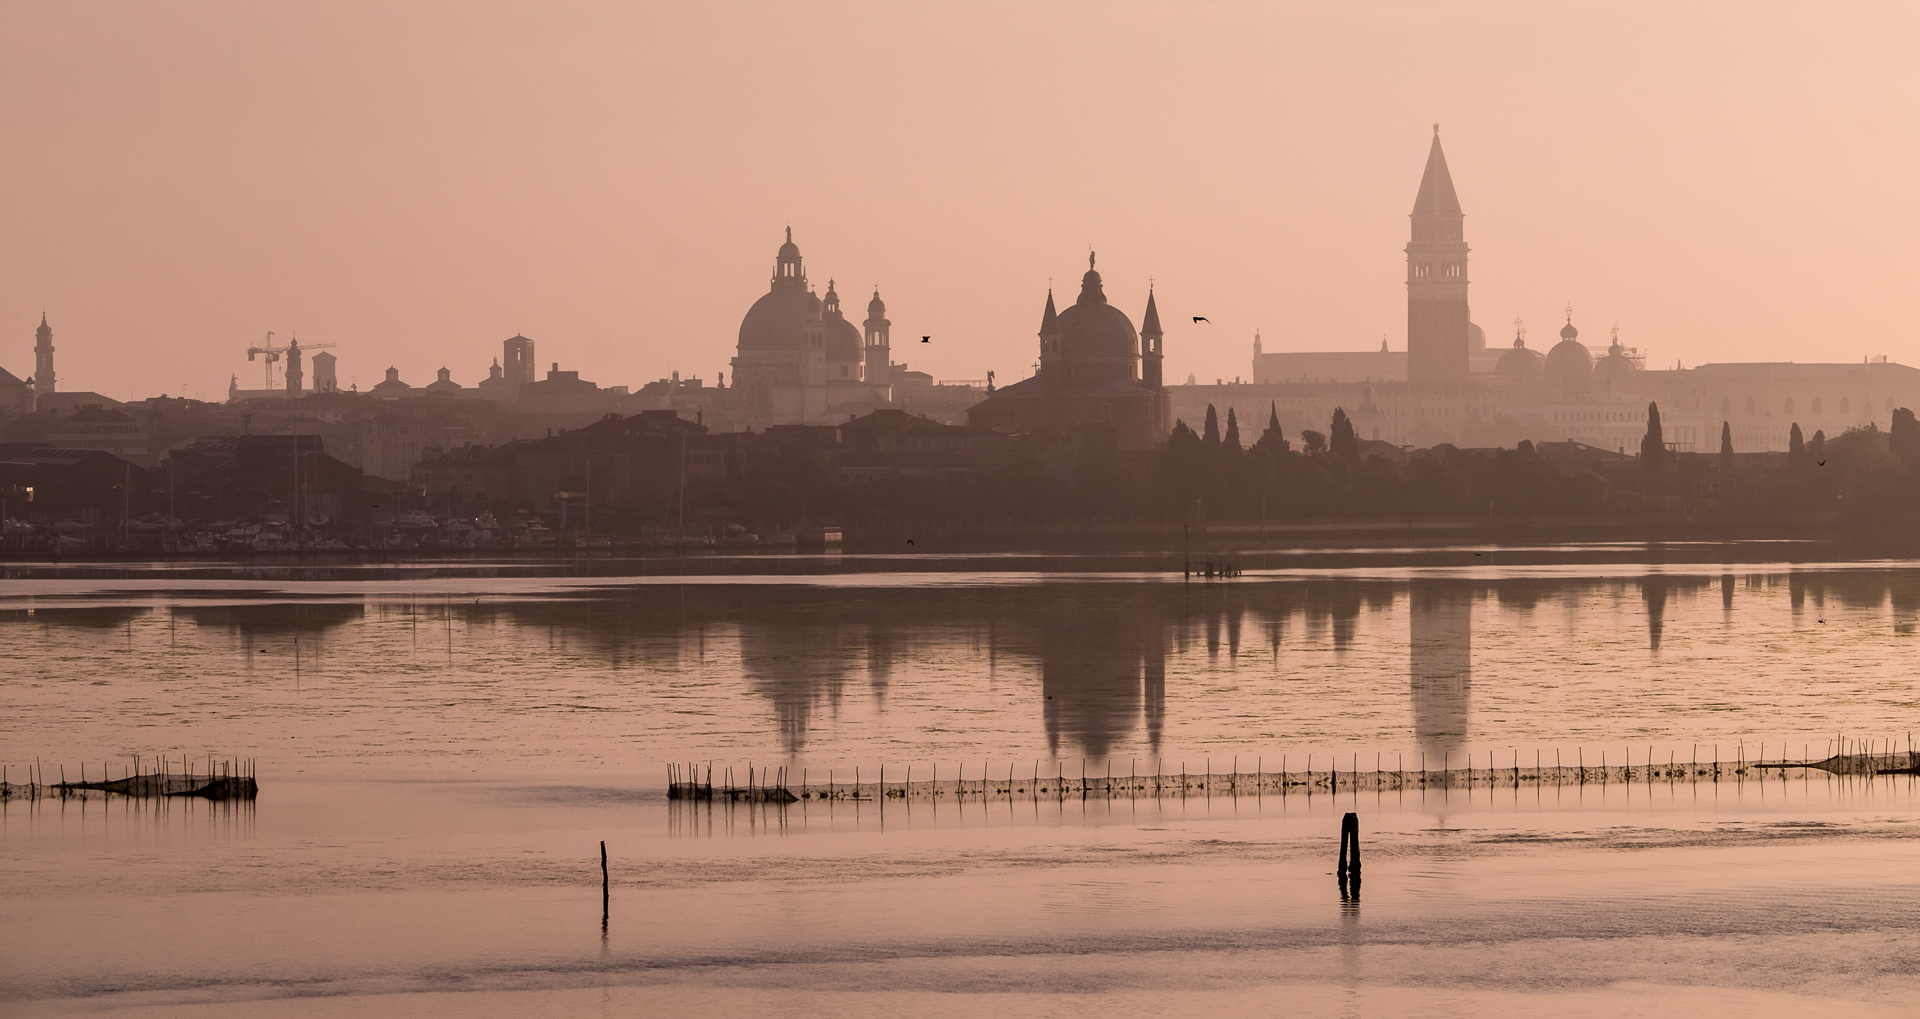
1349, 847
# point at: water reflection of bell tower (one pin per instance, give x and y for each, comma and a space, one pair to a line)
1440, 654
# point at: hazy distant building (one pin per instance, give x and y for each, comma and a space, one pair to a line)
444, 383
391, 388
1444, 346
1381, 365
16, 394
801, 361
519, 366
1449, 387
1094, 370
325, 376
97, 427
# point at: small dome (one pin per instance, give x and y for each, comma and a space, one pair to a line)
1616, 362
876, 308
789, 252
843, 340
1520, 363
1568, 332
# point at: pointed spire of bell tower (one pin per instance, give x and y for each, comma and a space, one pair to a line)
1436, 195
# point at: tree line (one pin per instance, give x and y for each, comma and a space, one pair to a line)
1328, 475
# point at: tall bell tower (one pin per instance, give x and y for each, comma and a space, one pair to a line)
879, 343
1437, 319
43, 358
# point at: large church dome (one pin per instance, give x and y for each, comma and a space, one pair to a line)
1092, 328
1570, 360
778, 320
1519, 363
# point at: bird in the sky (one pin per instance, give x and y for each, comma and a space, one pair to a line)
926, 339
1202, 318
909, 541
1821, 463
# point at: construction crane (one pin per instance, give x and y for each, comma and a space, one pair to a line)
273, 354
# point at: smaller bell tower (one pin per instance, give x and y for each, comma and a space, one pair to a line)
43, 358
879, 343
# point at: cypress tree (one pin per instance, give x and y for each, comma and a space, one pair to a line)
1211, 436
1341, 439
1726, 444
1233, 432
1796, 448
1653, 447
1904, 438
1273, 440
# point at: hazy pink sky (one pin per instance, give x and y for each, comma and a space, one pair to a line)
416, 182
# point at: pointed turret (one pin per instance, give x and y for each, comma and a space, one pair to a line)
1436, 197
1150, 336
1050, 320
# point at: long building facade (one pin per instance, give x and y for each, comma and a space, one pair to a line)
1448, 385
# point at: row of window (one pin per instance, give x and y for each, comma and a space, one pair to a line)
1601, 417
1816, 406
1453, 270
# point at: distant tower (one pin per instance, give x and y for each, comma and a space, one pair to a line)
519, 358
1053, 375
1437, 326
324, 379
296, 377
1150, 344
43, 358
879, 353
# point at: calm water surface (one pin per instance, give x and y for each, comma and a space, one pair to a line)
443, 749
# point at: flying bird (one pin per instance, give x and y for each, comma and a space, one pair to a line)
1202, 318
1820, 463
909, 541
926, 339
